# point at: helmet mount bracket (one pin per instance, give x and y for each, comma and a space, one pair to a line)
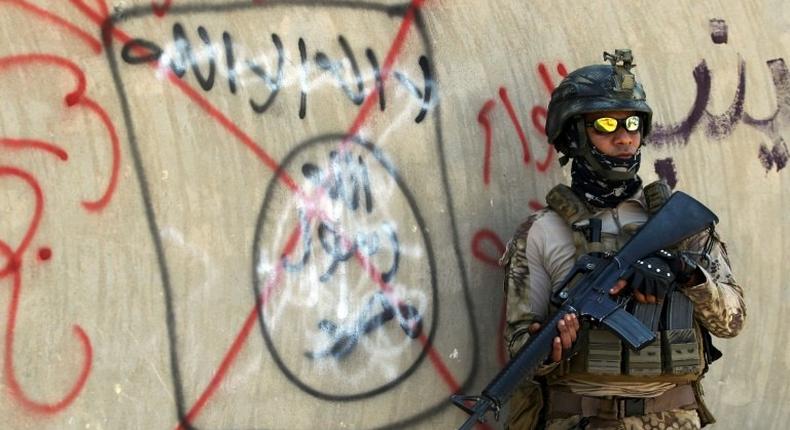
622, 62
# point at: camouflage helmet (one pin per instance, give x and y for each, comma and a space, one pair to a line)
595, 88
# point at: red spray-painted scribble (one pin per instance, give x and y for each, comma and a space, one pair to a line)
35, 144
51, 18
44, 254
485, 236
544, 165
537, 115
22, 60
482, 242
104, 200
13, 268
74, 99
516, 123
103, 8
14, 256
548, 83
93, 15
485, 122
161, 9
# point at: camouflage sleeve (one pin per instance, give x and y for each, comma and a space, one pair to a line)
521, 309
718, 301
518, 313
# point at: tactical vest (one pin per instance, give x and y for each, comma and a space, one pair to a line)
676, 356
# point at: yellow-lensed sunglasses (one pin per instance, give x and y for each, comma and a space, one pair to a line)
606, 125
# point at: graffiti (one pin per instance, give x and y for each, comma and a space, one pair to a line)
344, 180
44, 254
13, 269
54, 19
480, 250
367, 243
346, 231
337, 243
180, 56
75, 99
345, 296
776, 156
482, 119
538, 116
342, 342
35, 144
718, 30
665, 169
161, 9
481, 253
368, 247
721, 126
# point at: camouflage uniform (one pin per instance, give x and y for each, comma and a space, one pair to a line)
537, 259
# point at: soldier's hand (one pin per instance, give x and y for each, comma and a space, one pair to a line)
567, 329
686, 271
640, 297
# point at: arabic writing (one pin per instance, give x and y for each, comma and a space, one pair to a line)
537, 114
344, 215
181, 56
343, 341
720, 126
345, 178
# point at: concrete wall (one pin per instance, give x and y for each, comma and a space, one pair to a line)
196, 237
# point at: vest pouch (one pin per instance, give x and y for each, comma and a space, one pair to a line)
647, 361
680, 343
681, 351
600, 353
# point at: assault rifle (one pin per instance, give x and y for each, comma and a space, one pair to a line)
680, 217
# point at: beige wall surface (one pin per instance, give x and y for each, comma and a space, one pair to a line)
287, 214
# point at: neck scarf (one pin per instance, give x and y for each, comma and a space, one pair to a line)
600, 192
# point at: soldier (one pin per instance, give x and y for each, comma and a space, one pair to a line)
598, 118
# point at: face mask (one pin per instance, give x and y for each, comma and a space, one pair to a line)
601, 192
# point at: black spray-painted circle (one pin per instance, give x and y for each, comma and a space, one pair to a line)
259, 240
